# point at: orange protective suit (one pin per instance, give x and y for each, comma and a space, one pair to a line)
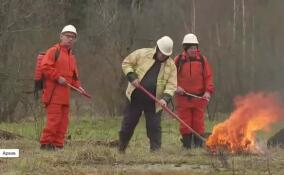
55, 96
195, 77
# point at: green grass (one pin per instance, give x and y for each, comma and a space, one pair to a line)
98, 128
83, 156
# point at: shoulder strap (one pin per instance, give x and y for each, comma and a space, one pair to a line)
203, 69
202, 62
57, 54
180, 62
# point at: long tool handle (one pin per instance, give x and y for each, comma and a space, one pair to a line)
80, 91
170, 112
195, 96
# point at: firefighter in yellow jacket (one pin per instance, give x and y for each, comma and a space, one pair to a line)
153, 69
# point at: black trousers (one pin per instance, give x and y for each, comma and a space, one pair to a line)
133, 111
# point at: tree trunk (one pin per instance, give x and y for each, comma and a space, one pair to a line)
193, 16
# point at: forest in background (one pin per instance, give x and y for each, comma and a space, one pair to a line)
241, 38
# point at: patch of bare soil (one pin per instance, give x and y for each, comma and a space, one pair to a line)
8, 135
110, 143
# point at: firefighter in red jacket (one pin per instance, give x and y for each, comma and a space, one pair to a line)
194, 77
56, 94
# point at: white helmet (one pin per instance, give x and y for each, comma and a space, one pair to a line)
190, 39
165, 44
69, 28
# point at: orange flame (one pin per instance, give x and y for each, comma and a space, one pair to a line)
253, 112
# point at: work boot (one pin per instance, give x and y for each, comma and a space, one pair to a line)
155, 145
186, 141
198, 142
43, 146
155, 139
122, 147
123, 142
48, 147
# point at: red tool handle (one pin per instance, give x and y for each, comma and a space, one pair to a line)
170, 112
195, 96
80, 91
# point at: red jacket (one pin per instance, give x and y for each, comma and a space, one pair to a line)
192, 77
64, 66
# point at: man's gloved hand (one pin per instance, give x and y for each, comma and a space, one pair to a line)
61, 80
180, 91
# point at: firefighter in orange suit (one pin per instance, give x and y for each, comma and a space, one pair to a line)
194, 77
56, 94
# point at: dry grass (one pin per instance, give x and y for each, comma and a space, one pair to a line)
85, 156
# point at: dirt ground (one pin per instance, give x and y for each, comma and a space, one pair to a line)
93, 157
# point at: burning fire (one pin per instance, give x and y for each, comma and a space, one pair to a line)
253, 112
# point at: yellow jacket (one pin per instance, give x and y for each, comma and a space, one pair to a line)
140, 61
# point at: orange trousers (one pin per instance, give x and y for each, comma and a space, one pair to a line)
192, 113
56, 125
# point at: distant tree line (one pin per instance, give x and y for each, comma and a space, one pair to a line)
243, 40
